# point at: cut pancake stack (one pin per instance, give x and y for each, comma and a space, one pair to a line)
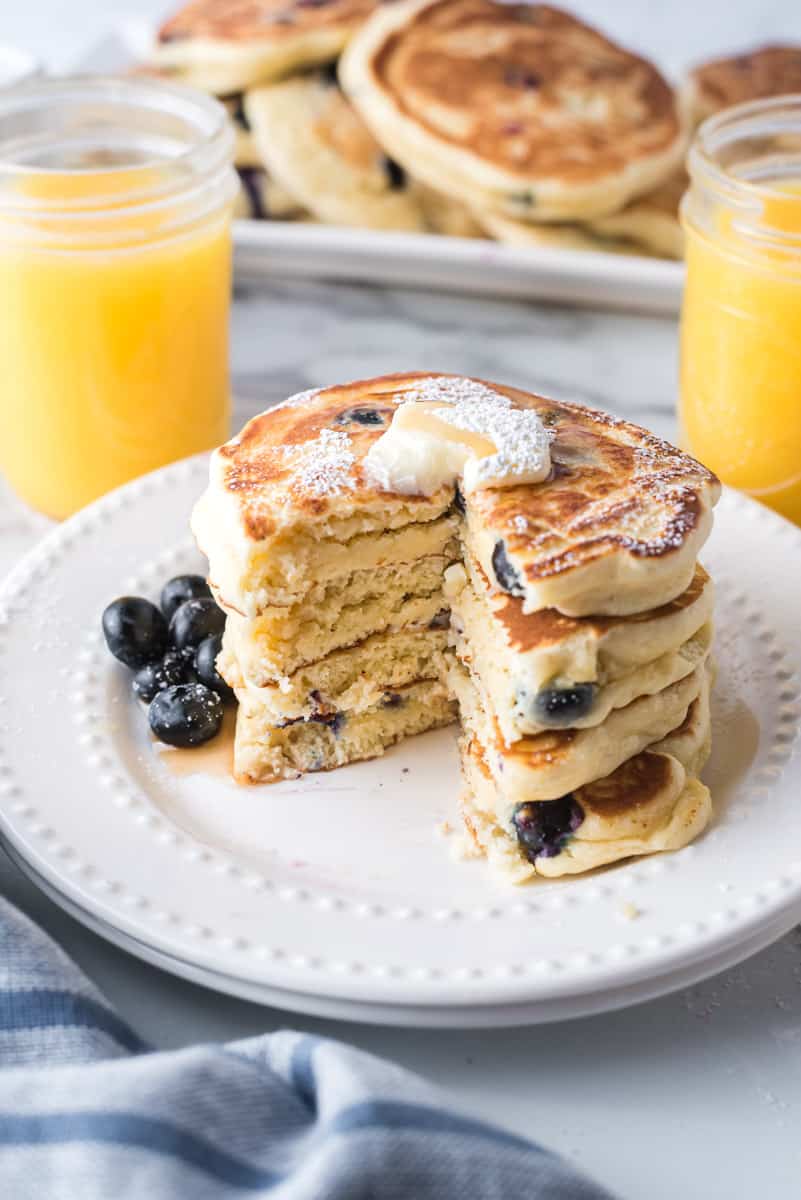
566, 623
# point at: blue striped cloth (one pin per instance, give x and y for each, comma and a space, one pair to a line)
89, 1112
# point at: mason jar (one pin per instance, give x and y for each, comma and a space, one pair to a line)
740, 402
115, 282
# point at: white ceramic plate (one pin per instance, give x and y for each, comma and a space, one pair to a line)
336, 894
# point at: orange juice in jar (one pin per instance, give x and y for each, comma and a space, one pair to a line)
115, 279
740, 404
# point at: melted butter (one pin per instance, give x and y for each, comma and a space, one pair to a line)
448, 428
213, 758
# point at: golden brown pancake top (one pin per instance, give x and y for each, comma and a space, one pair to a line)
528, 87
767, 71
548, 627
614, 487
248, 20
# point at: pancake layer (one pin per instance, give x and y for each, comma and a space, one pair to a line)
652, 802
544, 670
350, 679
265, 753
547, 766
270, 647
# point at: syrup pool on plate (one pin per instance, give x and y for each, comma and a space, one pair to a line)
115, 276
740, 402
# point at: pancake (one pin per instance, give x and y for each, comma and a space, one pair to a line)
272, 646
651, 803
547, 766
315, 144
615, 529
264, 754
347, 680
649, 225
520, 693
651, 222
773, 70
552, 235
443, 214
515, 108
225, 46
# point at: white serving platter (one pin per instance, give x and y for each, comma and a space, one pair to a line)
469, 266
337, 894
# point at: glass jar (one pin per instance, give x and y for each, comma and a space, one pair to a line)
115, 283
740, 404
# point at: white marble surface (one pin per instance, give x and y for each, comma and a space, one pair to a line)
697, 1094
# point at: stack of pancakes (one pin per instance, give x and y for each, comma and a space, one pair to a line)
567, 623
464, 117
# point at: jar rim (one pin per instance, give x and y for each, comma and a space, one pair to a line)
97, 161
743, 137
207, 141
736, 123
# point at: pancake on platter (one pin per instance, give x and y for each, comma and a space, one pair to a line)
316, 145
226, 46
755, 75
515, 108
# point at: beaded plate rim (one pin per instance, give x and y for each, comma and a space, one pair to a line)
38, 840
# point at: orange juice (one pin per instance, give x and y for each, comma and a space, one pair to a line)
114, 298
740, 402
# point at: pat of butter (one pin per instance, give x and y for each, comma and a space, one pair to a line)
456, 429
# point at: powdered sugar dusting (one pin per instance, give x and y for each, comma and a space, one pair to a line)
322, 467
300, 398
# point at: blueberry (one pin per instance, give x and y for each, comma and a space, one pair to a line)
238, 114
206, 668
440, 620
135, 631
391, 700
251, 180
458, 501
329, 75
194, 621
560, 707
362, 414
332, 721
187, 714
395, 174
155, 677
543, 828
522, 77
507, 575
180, 589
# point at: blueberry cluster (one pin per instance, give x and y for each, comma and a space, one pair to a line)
172, 648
